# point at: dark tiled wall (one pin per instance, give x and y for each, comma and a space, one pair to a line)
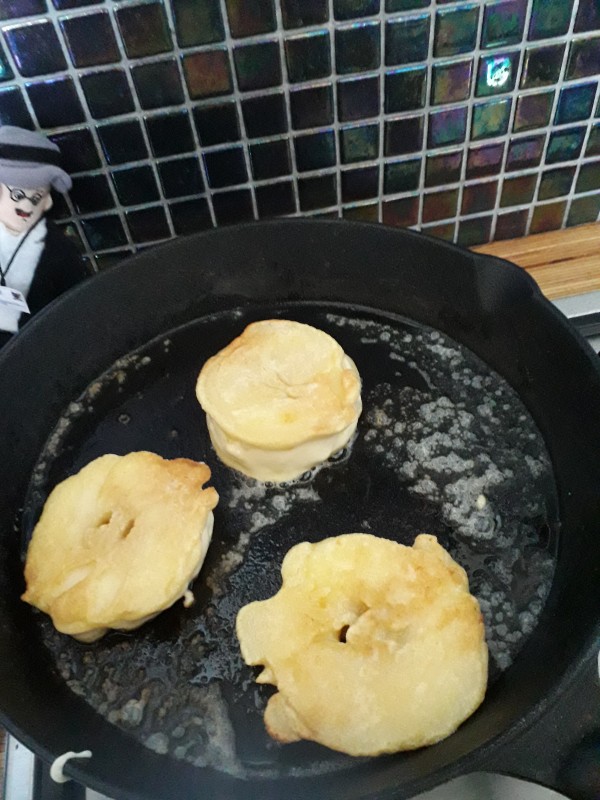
470, 120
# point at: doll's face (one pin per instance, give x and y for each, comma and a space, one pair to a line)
21, 208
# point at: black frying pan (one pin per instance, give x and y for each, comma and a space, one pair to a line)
115, 361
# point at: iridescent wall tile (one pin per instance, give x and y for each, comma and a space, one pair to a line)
170, 134
518, 191
542, 66
456, 30
207, 73
443, 169
404, 5
190, 216
35, 48
311, 108
593, 145
107, 93
308, 57
197, 22
357, 48
318, 192
10, 9
490, 119
315, 151
276, 200
451, 82
486, 160
548, 217
584, 58
575, 103
226, 167
91, 193
447, 127
496, 74
550, 18
364, 213
354, 9
180, 177
270, 159
472, 232
525, 153
512, 225
104, 232
588, 179
358, 98
588, 16
13, 110
90, 39
533, 110
257, 66
556, 182
135, 185
402, 176
401, 213
478, 197
264, 116
144, 29
405, 89
584, 209
440, 205
147, 225
359, 184
445, 231
157, 83
407, 40
503, 23
55, 102
301, 13
403, 136
249, 17
6, 73
359, 143
565, 145
77, 150
122, 142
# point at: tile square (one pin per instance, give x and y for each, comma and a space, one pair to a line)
311, 108
270, 159
456, 30
91, 193
13, 110
144, 29
63, 5
249, 17
584, 58
233, 207
358, 98
170, 134
478, 197
360, 184
315, 151
359, 143
445, 231
107, 93
512, 225
60, 209
265, 116
78, 150
556, 183
207, 73
302, 13
197, 22
148, 225
275, 200
122, 142
589, 177
405, 89
405, 5
496, 74
217, 124
135, 185
440, 205
490, 119
403, 136
550, 18
485, 160
190, 216
575, 103
357, 48
104, 233
533, 111
451, 82
407, 40
257, 66
548, 217
503, 23
401, 176
181, 177
35, 48
319, 192
542, 66
447, 127
308, 57
518, 191
90, 39
401, 213
593, 145
588, 16
443, 169
106, 260
584, 209
525, 153
472, 232
565, 145
157, 84
22, 8
55, 103
226, 167
365, 213
354, 9
6, 73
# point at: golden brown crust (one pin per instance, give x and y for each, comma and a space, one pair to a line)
119, 542
374, 647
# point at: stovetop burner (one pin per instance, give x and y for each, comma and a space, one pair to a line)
565, 745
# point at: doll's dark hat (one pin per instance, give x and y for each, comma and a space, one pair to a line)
28, 160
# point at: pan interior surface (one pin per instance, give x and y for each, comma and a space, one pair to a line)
443, 446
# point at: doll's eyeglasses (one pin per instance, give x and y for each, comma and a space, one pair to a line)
18, 194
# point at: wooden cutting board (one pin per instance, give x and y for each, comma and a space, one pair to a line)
562, 262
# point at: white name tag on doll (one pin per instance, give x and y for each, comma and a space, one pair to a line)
13, 298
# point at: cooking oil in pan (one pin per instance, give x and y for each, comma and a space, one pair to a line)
444, 446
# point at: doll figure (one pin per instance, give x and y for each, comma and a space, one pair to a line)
37, 262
